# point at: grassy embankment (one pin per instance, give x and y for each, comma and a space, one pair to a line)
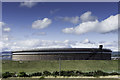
81, 65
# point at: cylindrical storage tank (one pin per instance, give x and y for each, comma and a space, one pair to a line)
63, 54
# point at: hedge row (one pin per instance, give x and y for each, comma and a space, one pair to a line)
56, 73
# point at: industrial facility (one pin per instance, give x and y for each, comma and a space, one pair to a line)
63, 54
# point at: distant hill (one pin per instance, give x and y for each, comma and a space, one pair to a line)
6, 55
115, 54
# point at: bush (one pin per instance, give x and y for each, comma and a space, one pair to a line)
99, 73
55, 73
62, 73
36, 74
23, 74
67, 73
114, 73
8, 74
78, 73
70, 73
88, 74
46, 73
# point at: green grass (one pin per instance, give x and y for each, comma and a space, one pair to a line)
60, 79
53, 65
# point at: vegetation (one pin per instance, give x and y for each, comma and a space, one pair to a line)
61, 79
36, 74
62, 73
8, 74
22, 74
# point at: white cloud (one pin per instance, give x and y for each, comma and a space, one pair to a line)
39, 33
82, 28
87, 17
5, 37
28, 43
82, 45
40, 24
28, 4
2, 24
1, 45
73, 20
54, 11
3, 27
110, 45
108, 25
86, 41
6, 29
68, 30
37, 43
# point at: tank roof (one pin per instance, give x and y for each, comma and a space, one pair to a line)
65, 50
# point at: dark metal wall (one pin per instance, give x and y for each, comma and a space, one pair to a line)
82, 56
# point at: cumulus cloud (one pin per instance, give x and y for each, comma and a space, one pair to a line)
68, 30
39, 33
82, 28
54, 11
73, 20
4, 27
2, 24
87, 16
110, 45
1, 45
5, 37
37, 44
7, 29
28, 4
86, 41
40, 24
108, 25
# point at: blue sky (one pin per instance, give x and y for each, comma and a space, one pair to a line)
62, 18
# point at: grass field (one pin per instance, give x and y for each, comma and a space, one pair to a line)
61, 79
82, 65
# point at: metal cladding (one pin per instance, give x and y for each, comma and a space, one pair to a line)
63, 54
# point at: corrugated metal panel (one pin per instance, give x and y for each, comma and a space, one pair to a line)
52, 53
63, 57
